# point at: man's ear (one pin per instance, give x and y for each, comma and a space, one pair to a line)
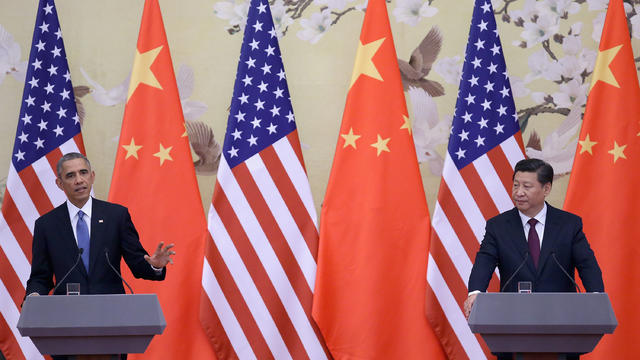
59, 183
547, 189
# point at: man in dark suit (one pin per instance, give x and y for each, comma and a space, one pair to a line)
99, 228
538, 231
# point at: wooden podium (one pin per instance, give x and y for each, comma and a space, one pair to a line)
91, 324
542, 325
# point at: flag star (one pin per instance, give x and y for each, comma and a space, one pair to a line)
479, 44
406, 124
58, 34
506, 76
278, 92
257, 26
19, 155
233, 152
252, 140
61, 113
262, 86
504, 91
289, 116
466, 117
163, 154
602, 69
381, 145
251, 62
483, 25
464, 135
262, 8
76, 119
492, 68
244, 98
281, 74
483, 122
256, 122
350, 139
470, 99
499, 128
495, 49
45, 106
37, 64
65, 94
44, 27
515, 117
479, 141
270, 50
142, 73
486, 105
42, 125
275, 111
39, 143
273, 32
474, 80
476, 62
49, 88
247, 80
489, 86
259, 105
364, 61
239, 116
502, 110
617, 151
56, 51
53, 70
460, 153
40, 45
47, 9
587, 145
254, 44
132, 149
30, 101
33, 82
58, 130
486, 7
23, 137
272, 128
67, 76
236, 134
26, 118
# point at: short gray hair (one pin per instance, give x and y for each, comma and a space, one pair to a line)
70, 156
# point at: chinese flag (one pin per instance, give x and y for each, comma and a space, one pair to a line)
374, 232
603, 188
155, 178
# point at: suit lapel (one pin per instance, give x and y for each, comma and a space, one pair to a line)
550, 236
97, 232
67, 239
520, 240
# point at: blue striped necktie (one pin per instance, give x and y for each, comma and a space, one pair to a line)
82, 234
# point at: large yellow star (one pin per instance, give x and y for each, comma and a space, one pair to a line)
350, 139
381, 145
602, 71
617, 152
163, 154
141, 73
407, 123
364, 61
132, 149
587, 145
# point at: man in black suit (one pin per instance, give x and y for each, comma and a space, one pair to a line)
99, 228
538, 231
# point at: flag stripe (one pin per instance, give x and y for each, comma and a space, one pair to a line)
449, 271
443, 329
10, 279
35, 190
446, 233
493, 185
501, 165
449, 213
13, 229
480, 194
10, 347
10, 315
513, 152
23, 202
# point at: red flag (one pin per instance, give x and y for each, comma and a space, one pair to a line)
155, 178
603, 187
374, 232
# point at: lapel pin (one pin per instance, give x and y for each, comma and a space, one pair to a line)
100, 221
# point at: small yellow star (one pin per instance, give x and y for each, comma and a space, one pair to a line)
407, 124
364, 61
163, 154
602, 70
141, 73
350, 139
185, 130
587, 145
381, 145
617, 152
132, 149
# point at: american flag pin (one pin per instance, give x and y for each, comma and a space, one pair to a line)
100, 221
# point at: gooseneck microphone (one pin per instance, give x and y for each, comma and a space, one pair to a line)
80, 251
553, 255
524, 260
106, 254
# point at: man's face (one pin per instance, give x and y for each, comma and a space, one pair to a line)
76, 180
528, 193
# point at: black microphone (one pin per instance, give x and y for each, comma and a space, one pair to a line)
553, 255
80, 251
106, 254
526, 254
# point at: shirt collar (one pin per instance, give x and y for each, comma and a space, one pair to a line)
540, 216
86, 208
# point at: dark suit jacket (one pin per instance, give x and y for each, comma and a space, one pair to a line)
55, 251
505, 245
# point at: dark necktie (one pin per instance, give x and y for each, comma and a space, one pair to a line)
82, 233
534, 241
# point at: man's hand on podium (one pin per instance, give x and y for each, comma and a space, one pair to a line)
161, 257
468, 304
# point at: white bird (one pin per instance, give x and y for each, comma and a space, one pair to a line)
429, 131
191, 109
111, 97
559, 147
10, 55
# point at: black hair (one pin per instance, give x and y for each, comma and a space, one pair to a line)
540, 167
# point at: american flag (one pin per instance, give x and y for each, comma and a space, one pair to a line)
48, 127
484, 146
259, 270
